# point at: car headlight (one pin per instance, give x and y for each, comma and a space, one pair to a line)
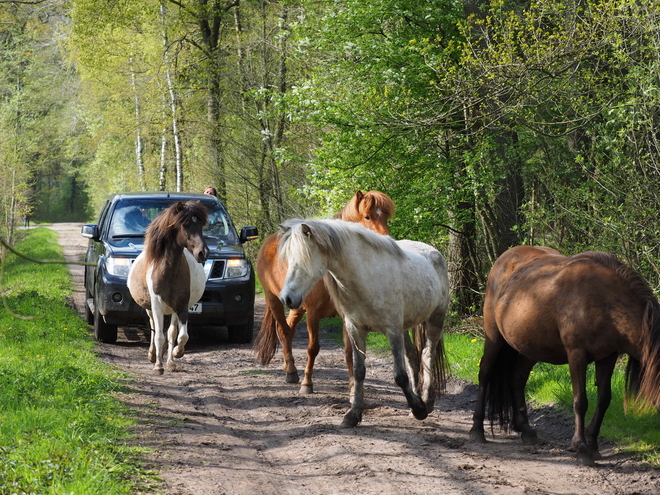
236, 268
118, 267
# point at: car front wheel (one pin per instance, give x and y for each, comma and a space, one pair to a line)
103, 332
241, 334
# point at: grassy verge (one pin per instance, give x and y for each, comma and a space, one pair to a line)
61, 428
548, 384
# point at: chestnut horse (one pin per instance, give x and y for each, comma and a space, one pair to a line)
378, 285
372, 210
168, 276
542, 306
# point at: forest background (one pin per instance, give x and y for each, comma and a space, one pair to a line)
489, 123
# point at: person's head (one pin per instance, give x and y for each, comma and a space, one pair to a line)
210, 191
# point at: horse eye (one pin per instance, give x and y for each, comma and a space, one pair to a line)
367, 217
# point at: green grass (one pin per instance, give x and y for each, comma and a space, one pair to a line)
62, 429
636, 432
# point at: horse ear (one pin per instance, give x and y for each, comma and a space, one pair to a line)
359, 195
284, 228
306, 230
178, 206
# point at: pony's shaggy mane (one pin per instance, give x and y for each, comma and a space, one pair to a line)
163, 230
330, 236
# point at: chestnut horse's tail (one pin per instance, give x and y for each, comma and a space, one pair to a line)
266, 341
499, 395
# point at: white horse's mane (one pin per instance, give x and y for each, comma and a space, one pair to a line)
331, 236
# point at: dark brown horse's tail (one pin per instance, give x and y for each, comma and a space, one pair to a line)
499, 394
643, 379
266, 341
440, 367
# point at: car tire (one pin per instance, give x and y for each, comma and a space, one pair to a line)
241, 334
89, 316
103, 332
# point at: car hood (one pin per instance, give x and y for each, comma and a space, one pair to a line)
217, 250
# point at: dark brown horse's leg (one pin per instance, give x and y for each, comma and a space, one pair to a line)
604, 370
577, 364
492, 348
520, 419
313, 346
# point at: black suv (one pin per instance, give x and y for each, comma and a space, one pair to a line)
118, 238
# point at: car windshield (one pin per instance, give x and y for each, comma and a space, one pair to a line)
131, 217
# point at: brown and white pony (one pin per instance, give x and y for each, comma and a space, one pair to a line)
168, 276
372, 210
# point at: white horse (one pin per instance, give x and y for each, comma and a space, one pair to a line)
168, 276
380, 285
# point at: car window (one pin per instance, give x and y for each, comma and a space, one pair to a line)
130, 219
220, 226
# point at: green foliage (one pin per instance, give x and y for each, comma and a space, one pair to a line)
62, 430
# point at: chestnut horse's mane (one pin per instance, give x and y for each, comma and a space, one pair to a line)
361, 203
163, 230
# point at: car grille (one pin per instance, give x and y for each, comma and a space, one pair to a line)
218, 269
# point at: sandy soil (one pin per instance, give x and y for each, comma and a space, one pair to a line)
226, 426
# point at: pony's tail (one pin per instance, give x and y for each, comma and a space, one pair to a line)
633, 378
648, 388
266, 341
499, 395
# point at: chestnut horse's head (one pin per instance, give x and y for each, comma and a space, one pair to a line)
180, 225
372, 210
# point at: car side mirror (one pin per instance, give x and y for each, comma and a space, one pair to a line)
90, 231
248, 234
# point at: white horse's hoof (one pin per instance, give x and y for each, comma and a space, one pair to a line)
173, 367
159, 371
152, 356
178, 352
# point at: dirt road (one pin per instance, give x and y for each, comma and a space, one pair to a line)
227, 426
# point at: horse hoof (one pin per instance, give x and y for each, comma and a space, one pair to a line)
292, 377
529, 438
351, 420
152, 357
307, 389
178, 352
585, 456
158, 371
420, 415
477, 436
172, 367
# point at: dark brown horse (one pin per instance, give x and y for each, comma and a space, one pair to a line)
168, 276
372, 210
542, 306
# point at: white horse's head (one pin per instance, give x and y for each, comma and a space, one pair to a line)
305, 248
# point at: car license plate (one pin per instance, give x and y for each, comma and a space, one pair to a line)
195, 308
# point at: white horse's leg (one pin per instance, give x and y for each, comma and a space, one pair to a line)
152, 344
429, 358
182, 335
354, 415
397, 344
158, 319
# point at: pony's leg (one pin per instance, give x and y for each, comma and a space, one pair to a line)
604, 370
577, 364
286, 331
358, 342
313, 346
396, 338
519, 379
432, 360
171, 340
182, 337
492, 346
348, 355
152, 344
158, 337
